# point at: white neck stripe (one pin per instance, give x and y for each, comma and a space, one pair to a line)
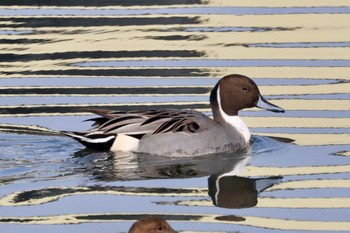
235, 121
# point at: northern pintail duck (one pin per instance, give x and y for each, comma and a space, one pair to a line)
151, 224
172, 132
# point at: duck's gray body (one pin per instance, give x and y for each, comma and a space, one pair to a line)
177, 133
209, 138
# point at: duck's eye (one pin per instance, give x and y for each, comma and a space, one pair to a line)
160, 228
245, 88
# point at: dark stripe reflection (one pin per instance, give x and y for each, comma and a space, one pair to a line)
137, 216
98, 21
79, 108
10, 57
21, 41
177, 37
85, 3
119, 72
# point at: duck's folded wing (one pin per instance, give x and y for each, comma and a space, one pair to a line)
106, 115
131, 125
124, 130
146, 122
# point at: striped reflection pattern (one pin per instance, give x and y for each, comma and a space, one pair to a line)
58, 57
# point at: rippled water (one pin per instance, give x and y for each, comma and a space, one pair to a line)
58, 57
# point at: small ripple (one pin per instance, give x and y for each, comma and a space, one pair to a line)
301, 45
16, 32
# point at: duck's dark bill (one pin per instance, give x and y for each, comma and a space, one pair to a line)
264, 104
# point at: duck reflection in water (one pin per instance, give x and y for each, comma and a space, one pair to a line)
225, 188
114, 166
237, 192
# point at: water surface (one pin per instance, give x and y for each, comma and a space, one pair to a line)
57, 58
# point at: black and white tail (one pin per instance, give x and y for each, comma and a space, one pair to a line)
97, 141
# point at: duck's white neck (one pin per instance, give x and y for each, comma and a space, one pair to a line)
235, 121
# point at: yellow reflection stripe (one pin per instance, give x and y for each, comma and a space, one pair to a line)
296, 122
306, 89
311, 184
287, 171
293, 104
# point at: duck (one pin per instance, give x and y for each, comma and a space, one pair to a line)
176, 132
151, 224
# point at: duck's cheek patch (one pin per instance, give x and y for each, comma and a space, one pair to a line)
125, 143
